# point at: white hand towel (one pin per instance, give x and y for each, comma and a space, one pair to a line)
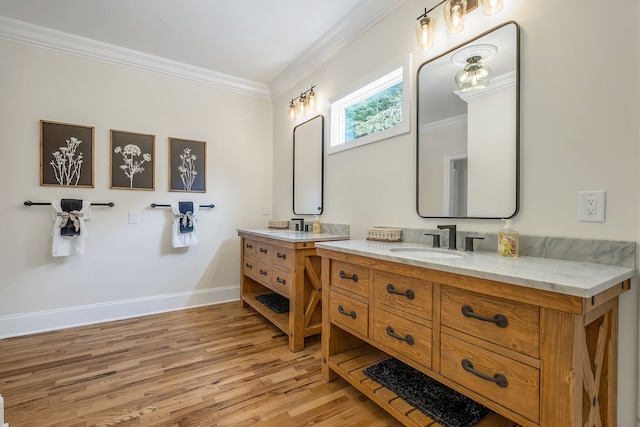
68, 245
181, 240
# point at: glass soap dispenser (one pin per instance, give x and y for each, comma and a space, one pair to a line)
508, 240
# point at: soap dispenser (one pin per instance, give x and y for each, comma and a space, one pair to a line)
316, 225
508, 240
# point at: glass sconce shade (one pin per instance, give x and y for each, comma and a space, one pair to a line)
489, 7
425, 30
302, 104
474, 75
454, 12
311, 100
292, 111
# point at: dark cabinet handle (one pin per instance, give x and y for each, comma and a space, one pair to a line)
263, 272
248, 265
281, 281
391, 333
499, 379
353, 277
500, 320
409, 294
263, 250
283, 256
351, 314
248, 246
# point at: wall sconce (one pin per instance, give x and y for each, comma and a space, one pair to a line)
306, 102
454, 13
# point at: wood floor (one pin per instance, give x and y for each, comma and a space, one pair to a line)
212, 366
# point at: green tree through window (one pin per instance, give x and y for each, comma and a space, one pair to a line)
374, 114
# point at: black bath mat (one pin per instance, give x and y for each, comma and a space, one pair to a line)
274, 302
442, 404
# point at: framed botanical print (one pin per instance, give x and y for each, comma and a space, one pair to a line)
187, 165
132, 160
66, 154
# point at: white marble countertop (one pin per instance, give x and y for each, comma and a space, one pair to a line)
580, 279
293, 236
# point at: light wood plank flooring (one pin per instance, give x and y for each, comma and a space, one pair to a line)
212, 366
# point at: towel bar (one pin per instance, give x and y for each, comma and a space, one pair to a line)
157, 205
30, 203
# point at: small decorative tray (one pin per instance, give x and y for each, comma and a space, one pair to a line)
384, 234
278, 224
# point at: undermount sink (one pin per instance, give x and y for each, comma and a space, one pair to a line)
426, 253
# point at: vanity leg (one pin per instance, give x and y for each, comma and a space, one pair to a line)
296, 306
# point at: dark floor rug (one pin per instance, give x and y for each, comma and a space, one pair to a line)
442, 404
274, 302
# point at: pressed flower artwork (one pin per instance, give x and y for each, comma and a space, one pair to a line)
66, 154
132, 160
187, 165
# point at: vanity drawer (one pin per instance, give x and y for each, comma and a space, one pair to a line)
479, 370
263, 273
507, 323
349, 313
350, 277
249, 247
413, 296
263, 251
282, 257
281, 281
249, 267
406, 337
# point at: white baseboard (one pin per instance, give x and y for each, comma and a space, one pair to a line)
49, 320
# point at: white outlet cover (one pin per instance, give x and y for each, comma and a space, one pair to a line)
591, 206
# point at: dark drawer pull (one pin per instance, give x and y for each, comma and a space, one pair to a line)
248, 265
409, 294
263, 250
499, 379
281, 281
283, 256
263, 272
352, 314
353, 277
249, 246
408, 338
499, 319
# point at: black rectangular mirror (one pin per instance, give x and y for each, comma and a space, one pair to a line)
468, 129
308, 167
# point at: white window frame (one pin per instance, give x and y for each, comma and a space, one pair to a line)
391, 75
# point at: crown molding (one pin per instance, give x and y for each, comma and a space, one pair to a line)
361, 18
58, 41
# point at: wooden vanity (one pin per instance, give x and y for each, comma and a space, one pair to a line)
537, 357
287, 264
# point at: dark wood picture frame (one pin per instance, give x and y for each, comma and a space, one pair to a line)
187, 165
66, 154
133, 158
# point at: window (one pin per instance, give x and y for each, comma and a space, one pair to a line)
375, 111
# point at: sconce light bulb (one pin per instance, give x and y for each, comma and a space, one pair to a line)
454, 12
302, 104
312, 100
489, 7
292, 111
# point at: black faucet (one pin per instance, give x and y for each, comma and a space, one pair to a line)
452, 235
301, 226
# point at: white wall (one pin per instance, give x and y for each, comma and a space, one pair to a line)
127, 269
579, 131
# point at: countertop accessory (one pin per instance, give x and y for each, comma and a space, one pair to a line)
278, 224
384, 234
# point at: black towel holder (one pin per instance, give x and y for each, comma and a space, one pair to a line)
30, 203
158, 205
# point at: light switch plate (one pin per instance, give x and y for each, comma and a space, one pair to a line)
591, 206
134, 217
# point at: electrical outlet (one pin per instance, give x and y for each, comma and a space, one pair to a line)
591, 206
265, 209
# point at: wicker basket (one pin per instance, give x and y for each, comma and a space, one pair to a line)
278, 224
384, 234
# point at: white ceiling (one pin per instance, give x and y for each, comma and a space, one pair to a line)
251, 39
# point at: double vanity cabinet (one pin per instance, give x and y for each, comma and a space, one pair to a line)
532, 339
284, 262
